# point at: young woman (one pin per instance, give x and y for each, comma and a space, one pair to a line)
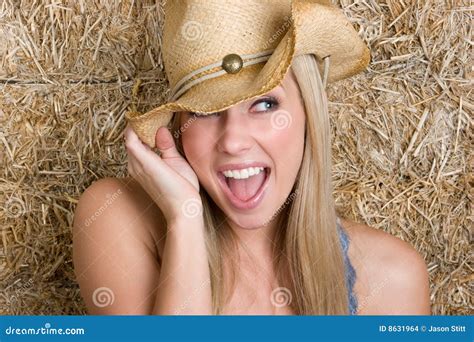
236, 216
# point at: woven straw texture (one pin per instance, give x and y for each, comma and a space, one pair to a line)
196, 36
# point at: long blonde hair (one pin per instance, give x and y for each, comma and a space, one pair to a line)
307, 250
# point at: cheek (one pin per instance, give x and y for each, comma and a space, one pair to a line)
287, 147
197, 148
191, 146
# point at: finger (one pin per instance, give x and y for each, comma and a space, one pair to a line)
165, 143
134, 166
139, 150
124, 133
131, 138
129, 134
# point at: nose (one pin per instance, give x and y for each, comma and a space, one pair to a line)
236, 135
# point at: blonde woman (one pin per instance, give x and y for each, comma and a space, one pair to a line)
233, 213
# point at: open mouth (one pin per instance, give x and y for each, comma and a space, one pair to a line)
245, 189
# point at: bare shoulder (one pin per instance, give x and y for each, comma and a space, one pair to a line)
116, 240
128, 203
392, 277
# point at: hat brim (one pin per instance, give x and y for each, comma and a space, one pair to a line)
332, 36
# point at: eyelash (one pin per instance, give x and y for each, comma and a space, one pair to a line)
270, 99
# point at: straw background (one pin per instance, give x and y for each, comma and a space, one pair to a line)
69, 70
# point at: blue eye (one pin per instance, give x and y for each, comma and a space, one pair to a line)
266, 104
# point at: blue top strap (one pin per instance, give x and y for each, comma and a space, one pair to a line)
350, 271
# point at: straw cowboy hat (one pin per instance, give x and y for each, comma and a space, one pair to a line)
218, 53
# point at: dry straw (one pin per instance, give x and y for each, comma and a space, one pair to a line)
401, 132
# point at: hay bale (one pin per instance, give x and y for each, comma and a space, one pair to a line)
66, 80
69, 71
402, 137
77, 41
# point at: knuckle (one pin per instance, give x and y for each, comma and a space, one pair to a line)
128, 144
131, 169
148, 169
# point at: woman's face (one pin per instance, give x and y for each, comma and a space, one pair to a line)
248, 156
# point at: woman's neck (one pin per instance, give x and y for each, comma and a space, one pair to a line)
258, 241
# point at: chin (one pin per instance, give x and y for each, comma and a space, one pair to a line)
249, 222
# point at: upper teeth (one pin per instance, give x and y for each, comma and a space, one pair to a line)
243, 173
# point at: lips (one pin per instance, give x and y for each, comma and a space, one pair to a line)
252, 202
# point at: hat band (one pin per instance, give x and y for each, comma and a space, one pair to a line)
184, 84
250, 59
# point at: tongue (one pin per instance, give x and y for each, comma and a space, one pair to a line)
244, 189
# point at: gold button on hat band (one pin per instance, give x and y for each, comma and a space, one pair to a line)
232, 63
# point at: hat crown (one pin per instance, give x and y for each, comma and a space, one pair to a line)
198, 33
